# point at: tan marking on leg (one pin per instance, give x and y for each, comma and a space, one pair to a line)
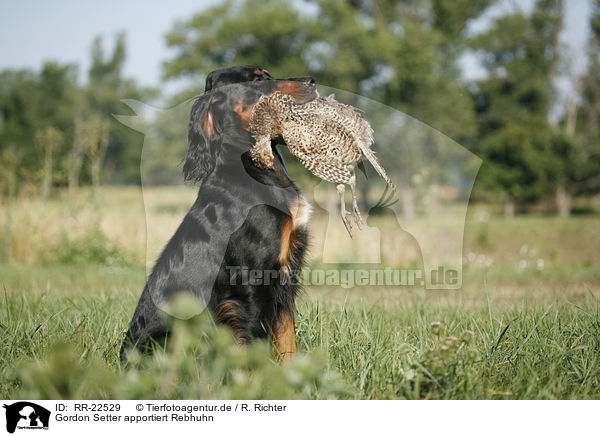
287, 245
301, 211
284, 338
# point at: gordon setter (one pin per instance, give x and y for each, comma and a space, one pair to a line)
245, 224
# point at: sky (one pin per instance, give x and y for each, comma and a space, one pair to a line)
32, 32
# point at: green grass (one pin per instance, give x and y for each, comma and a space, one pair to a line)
527, 352
70, 279
61, 327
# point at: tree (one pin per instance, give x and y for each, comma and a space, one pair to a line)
74, 161
402, 54
268, 33
34, 104
18, 103
31, 104
574, 153
520, 54
58, 92
95, 142
105, 89
589, 109
48, 140
10, 159
576, 146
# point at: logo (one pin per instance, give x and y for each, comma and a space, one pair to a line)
26, 415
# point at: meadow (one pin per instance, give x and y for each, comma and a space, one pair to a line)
526, 324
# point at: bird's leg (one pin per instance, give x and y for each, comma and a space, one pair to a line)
355, 209
341, 189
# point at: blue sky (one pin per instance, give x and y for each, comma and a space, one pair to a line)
35, 31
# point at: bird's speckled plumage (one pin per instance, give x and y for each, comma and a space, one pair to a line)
328, 137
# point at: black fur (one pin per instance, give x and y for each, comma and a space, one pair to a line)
236, 220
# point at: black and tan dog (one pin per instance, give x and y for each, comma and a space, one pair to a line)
244, 219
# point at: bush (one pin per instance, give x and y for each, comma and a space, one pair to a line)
93, 247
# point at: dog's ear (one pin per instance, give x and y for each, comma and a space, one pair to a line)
204, 137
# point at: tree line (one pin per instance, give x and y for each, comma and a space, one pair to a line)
403, 53
55, 132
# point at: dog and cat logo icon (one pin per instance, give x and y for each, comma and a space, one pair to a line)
26, 415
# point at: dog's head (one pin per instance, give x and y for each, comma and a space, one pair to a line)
223, 112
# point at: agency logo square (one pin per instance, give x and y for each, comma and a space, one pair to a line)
25, 415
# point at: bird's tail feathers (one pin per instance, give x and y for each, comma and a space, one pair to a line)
370, 155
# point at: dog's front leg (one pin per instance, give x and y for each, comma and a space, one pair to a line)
284, 337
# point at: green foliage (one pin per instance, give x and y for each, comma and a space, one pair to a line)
269, 33
34, 102
450, 363
201, 361
399, 54
535, 331
62, 375
106, 88
450, 17
93, 247
580, 151
513, 103
517, 160
514, 353
165, 143
205, 362
47, 142
31, 103
403, 54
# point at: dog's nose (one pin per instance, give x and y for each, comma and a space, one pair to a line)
309, 80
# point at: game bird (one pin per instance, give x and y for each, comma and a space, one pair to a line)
329, 139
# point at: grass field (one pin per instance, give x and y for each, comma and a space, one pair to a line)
520, 328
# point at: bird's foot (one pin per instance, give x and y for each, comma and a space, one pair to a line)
347, 223
341, 189
262, 155
357, 216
